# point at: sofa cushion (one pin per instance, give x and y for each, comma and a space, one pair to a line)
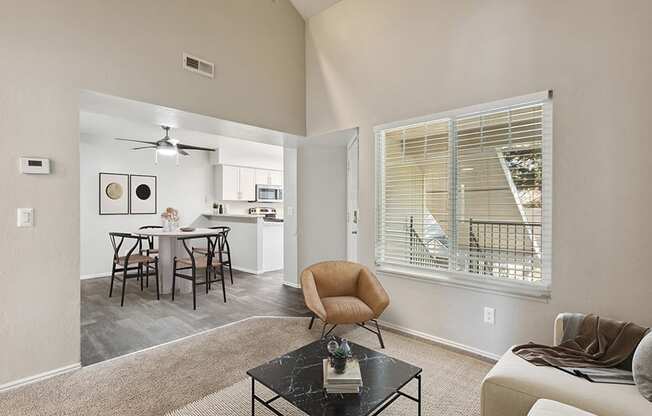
545, 407
513, 386
642, 366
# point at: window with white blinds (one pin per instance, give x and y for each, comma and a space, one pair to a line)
468, 192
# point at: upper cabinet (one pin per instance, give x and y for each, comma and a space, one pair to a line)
269, 177
247, 184
234, 183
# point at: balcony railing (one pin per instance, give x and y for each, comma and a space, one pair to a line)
504, 248
494, 248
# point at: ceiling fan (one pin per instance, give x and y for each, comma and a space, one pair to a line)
167, 146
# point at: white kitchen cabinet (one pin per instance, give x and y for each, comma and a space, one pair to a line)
269, 177
247, 184
276, 178
235, 183
262, 177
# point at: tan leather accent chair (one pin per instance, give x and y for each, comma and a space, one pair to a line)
343, 292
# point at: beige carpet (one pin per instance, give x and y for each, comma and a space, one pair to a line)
190, 376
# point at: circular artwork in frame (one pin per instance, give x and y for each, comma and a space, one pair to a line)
143, 192
114, 191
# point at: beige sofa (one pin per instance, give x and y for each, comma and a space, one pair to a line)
545, 407
513, 386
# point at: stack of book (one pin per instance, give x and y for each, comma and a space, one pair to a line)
349, 381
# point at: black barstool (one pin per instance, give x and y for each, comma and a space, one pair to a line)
130, 262
150, 250
209, 259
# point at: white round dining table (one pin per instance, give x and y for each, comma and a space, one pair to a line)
169, 247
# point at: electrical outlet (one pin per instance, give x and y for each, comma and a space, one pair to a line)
489, 315
25, 217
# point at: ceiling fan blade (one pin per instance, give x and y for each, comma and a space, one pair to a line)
188, 147
135, 141
144, 147
183, 152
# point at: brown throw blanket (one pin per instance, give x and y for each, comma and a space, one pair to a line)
600, 342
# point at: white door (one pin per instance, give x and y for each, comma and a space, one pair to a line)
247, 184
353, 214
318, 196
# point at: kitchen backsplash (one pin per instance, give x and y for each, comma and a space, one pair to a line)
236, 207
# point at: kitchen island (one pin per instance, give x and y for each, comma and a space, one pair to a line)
256, 243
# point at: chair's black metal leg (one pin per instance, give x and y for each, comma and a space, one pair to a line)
325, 333
194, 289
228, 253
223, 288
380, 336
208, 277
112, 277
124, 283
174, 277
147, 275
158, 292
312, 321
140, 274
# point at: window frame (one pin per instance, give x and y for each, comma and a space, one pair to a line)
538, 290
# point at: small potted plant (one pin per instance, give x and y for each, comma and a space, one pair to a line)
338, 359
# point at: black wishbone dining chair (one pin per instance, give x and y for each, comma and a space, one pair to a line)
150, 250
122, 265
209, 259
225, 248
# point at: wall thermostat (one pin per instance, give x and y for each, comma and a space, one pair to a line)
34, 165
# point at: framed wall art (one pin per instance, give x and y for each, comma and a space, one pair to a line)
114, 193
142, 194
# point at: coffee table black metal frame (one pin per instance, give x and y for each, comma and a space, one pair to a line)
310, 357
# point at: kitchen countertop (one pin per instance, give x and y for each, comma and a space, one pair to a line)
252, 218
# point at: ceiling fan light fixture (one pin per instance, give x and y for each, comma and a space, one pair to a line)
166, 151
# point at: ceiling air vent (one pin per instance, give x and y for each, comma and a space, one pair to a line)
194, 64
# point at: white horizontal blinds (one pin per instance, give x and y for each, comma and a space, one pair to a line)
413, 198
499, 215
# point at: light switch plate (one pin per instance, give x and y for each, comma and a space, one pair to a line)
489, 315
25, 217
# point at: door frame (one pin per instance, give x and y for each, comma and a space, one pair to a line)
352, 200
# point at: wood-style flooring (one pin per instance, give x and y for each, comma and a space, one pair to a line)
109, 331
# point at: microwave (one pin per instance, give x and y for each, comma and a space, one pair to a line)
269, 193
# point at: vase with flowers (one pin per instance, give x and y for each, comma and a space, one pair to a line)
170, 219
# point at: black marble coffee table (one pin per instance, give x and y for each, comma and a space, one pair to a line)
297, 377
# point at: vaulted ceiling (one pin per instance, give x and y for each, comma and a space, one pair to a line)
309, 8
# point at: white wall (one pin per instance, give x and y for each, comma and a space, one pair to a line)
371, 62
290, 221
126, 49
187, 188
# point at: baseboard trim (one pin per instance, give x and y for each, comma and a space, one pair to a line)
94, 275
39, 377
292, 284
246, 270
485, 355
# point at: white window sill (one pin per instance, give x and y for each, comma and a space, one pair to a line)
531, 291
